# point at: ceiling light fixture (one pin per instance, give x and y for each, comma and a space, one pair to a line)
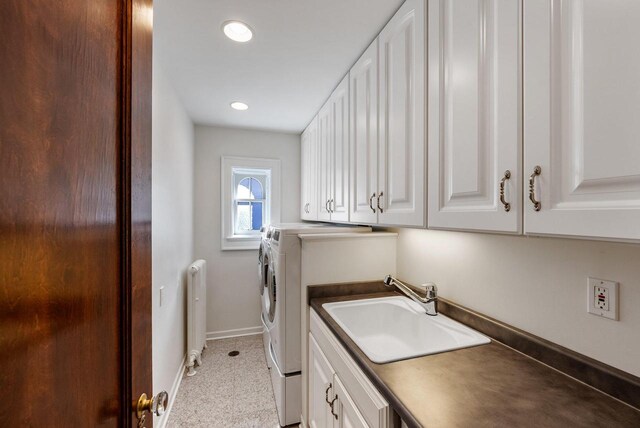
237, 105
237, 31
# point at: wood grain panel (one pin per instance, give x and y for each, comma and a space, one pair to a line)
59, 240
75, 211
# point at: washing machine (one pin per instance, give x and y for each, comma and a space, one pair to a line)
263, 269
264, 262
282, 313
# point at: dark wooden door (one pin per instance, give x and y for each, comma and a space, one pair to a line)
75, 211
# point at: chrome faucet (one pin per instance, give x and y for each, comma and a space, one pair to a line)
429, 302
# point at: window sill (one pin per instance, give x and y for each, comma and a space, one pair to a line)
239, 242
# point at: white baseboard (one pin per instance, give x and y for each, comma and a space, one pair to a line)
224, 334
161, 422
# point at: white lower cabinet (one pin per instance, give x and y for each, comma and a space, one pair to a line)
339, 393
346, 410
321, 387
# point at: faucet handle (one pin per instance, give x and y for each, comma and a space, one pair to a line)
430, 289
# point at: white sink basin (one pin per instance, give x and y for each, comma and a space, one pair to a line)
396, 328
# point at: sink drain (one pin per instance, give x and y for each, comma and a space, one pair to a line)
234, 353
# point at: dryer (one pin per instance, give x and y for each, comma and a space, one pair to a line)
282, 313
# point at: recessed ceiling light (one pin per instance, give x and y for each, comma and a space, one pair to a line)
237, 105
237, 31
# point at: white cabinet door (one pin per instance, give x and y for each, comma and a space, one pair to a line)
345, 408
309, 170
324, 164
304, 173
321, 389
402, 122
363, 107
581, 123
474, 115
339, 204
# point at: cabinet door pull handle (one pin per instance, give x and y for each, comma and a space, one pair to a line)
379, 207
335, 415
532, 188
332, 205
326, 394
326, 206
371, 202
308, 207
507, 205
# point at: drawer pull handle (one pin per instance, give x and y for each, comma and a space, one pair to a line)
532, 188
326, 394
335, 415
507, 205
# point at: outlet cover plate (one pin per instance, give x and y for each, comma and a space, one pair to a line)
602, 298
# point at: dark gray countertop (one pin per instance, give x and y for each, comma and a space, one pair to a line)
485, 386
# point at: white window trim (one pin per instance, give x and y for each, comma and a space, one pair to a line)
230, 241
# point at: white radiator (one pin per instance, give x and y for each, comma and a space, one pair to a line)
196, 314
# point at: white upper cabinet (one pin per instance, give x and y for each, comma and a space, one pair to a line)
333, 125
387, 121
581, 122
474, 115
363, 106
340, 152
400, 198
309, 171
324, 164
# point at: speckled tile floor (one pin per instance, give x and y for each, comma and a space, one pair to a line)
227, 391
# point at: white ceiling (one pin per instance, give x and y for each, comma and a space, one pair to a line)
300, 51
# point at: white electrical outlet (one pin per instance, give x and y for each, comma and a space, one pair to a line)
161, 298
603, 298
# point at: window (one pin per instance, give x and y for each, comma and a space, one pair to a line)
250, 199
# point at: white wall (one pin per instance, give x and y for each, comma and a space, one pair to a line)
172, 227
536, 284
232, 295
